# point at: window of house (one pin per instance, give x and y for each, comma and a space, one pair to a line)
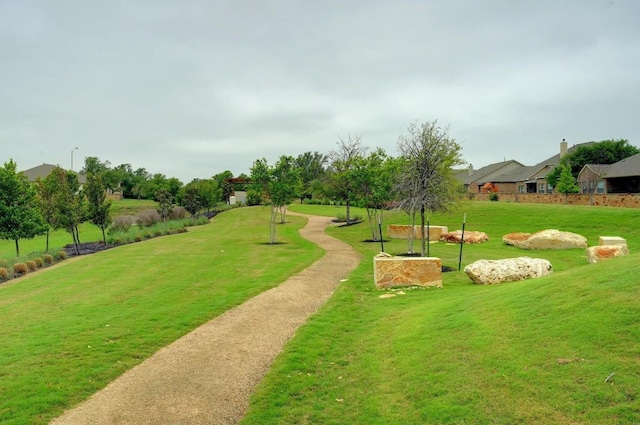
600, 188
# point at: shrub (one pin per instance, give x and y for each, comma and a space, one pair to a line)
122, 223
61, 255
31, 265
493, 196
182, 230
20, 268
39, 262
138, 238
4, 273
178, 213
48, 258
149, 217
342, 218
157, 232
5, 264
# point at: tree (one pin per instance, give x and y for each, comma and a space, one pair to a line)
99, 207
190, 199
20, 216
426, 182
45, 190
68, 202
602, 153
279, 184
342, 163
374, 177
312, 170
567, 183
165, 203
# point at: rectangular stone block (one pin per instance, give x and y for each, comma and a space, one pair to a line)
612, 240
403, 231
391, 272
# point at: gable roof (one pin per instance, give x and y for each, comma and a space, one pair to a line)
489, 170
625, 168
42, 171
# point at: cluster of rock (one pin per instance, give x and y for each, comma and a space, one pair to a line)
609, 247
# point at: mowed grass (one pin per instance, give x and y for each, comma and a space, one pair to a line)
30, 248
563, 349
69, 330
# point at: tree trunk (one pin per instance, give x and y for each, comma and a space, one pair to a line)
411, 234
47, 243
272, 225
348, 213
17, 248
422, 231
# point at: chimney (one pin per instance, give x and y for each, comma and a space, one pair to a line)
470, 169
563, 148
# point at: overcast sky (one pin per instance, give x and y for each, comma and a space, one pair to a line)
192, 88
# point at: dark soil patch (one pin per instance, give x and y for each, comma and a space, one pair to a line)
86, 248
344, 224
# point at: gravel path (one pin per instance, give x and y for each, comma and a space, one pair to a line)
207, 376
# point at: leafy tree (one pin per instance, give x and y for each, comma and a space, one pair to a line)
342, 163
374, 176
165, 203
190, 199
20, 217
567, 183
312, 168
426, 181
603, 152
279, 183
46, 190
226, 188
99, 207
68, 202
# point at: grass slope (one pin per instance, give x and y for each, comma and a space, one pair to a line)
536, 351
69, 330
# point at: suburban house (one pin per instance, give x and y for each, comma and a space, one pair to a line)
514, 177
42, 171
620, 177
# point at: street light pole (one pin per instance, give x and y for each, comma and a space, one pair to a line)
72, 150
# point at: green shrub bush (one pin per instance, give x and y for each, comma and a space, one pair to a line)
138, 238
493, 196
20, 269
61, 255
5, 264
179, 213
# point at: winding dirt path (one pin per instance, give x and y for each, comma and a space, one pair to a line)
207, 376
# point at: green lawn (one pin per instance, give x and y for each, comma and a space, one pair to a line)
69, 330
531, 352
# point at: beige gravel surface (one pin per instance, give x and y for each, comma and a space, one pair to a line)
207, 376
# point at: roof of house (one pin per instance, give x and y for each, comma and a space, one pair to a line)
625, 168
42, 171
478, 175
598, 169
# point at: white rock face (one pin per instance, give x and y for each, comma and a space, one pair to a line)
546, 239
488, 272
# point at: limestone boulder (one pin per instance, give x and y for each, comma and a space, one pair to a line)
489, 272
546, 239
390, 272
469, 236
595, 254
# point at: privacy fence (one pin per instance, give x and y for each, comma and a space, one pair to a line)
628, 200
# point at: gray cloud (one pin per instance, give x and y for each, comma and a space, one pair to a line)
193, 88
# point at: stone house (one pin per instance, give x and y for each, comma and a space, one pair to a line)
620, 177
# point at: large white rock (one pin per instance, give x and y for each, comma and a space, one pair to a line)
546, 239
488, 272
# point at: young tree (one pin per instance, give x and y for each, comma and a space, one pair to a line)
99, 207
374, 176
567, 183
68, 202
45, 190
341, 168
20, 216
426, 180
279, 183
